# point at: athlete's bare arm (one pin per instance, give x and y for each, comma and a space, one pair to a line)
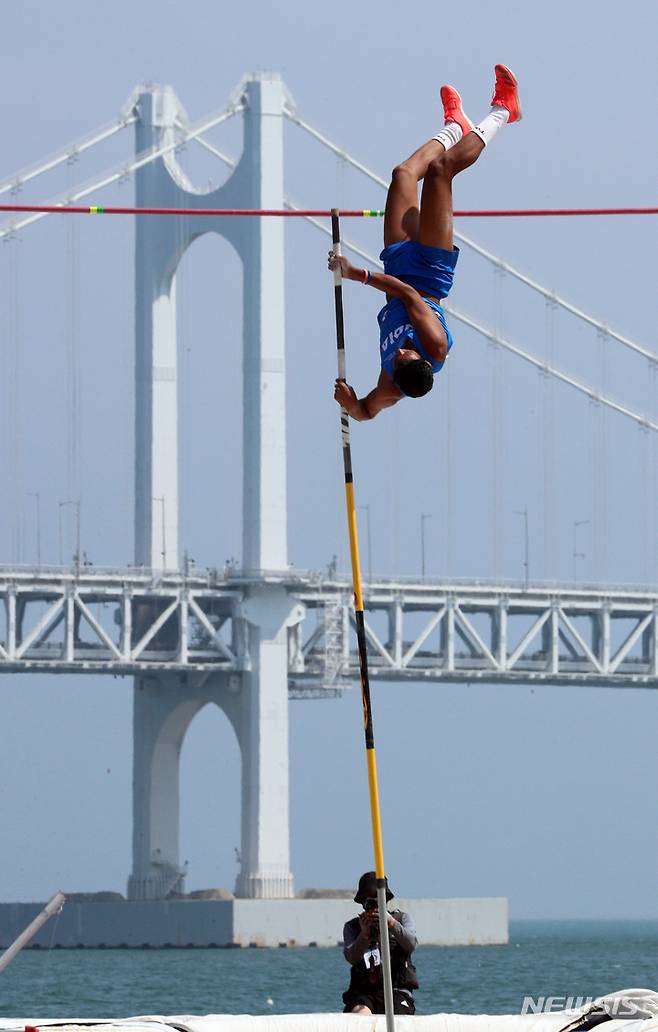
382, 396
424, 321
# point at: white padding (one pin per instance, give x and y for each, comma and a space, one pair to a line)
332, 1023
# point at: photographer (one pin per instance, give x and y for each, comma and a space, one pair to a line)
361, 946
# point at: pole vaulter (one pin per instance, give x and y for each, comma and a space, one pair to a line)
419, 253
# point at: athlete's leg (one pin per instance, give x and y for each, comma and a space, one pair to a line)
401, 221
401, 218
435, 221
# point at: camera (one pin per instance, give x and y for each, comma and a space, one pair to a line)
370, 904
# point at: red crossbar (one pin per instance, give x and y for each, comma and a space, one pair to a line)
71, 209
533, 212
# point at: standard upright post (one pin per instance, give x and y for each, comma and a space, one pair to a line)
371, 760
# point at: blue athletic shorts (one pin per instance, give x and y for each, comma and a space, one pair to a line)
428, 269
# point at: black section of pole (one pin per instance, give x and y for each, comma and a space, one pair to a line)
340, 345
365, 679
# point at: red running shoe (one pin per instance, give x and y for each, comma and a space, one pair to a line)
452, 109
506, 93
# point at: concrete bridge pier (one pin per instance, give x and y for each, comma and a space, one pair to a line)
263, 735
163, 709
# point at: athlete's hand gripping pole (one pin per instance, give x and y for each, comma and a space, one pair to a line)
361, 642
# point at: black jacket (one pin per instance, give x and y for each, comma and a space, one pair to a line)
366, 979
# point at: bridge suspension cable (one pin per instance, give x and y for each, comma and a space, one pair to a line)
36, 212
495, 338
196, 133
19, 179
211, 121
482, 251
114, 175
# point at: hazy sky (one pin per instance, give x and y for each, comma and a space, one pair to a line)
544, 795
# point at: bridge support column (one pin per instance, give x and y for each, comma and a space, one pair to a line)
163, 709
263, 732
265, 857
262, 720
161, 716
256, 702
157, 251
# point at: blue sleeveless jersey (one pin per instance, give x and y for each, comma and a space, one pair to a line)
395, 331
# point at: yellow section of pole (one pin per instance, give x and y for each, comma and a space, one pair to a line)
354, 546
371, 758
375, 813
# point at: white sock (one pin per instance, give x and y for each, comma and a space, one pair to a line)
449, 135
491, 123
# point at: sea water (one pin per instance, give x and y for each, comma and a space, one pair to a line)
553, 958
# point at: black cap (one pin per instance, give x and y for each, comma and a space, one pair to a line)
368, 888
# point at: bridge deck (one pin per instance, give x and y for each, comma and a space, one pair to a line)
128, 621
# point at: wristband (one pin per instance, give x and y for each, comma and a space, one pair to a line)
366, 276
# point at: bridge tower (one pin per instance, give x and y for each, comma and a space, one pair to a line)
256, 699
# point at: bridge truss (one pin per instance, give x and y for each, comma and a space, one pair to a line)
132, 621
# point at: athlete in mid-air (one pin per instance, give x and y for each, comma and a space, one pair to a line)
419, 255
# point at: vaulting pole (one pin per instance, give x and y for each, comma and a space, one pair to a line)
371, 760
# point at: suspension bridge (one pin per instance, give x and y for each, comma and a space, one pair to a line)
250, 635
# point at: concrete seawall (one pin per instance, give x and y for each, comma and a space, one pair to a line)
245, 922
